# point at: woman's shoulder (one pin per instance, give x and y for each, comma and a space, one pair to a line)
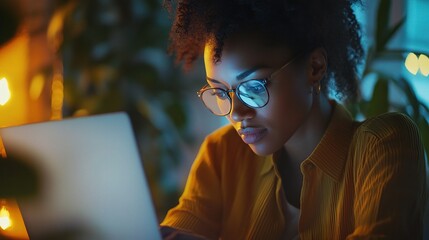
391, 135
389, 139
389, 124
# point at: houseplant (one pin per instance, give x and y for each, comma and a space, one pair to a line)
113, 58
387, 81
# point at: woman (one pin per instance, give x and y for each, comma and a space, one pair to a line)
300, 167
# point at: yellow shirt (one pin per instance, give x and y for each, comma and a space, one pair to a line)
362, 180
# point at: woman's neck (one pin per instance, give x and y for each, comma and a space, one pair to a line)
308, 136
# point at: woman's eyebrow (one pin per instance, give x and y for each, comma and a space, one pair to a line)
246, 73
212, 80
240, 76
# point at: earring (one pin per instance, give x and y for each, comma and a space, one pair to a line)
318, 89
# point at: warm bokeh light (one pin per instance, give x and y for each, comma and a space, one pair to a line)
412, 63
5, 221
11, 222
424, 65
4, 91
57, 96
36, 86
14, 68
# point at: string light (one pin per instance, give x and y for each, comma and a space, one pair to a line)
424, 65
5, 221
4, 91
413, 64
57, 97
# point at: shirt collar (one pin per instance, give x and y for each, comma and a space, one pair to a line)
267, 164
330, 155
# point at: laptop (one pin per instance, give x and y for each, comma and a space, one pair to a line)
92, 183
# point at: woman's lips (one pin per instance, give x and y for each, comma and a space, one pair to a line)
251, 135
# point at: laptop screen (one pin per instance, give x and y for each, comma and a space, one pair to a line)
92, 181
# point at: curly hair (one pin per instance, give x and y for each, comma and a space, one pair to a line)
303, 25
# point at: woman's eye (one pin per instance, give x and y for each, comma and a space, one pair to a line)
220, 94
255, 88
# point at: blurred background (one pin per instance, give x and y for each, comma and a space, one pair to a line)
64, 58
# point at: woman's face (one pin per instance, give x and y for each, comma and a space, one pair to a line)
264, 129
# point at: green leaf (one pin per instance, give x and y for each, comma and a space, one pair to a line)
178, 114
424, 132
425, 107
384, 33
363, 106
388, 35
379, 102
392, 54
369, 60
383, 17
409, 92
392, 31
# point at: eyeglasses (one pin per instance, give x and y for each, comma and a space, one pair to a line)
253, 93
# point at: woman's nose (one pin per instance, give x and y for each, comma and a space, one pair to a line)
239, 111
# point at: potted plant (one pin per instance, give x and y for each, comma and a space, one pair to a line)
387, 81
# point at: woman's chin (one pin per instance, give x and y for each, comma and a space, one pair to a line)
261, 149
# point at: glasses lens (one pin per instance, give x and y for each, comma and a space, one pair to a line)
216, 100
253, 93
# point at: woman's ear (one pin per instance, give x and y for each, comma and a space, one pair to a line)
318, 63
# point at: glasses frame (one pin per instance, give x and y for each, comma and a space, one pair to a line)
264, 82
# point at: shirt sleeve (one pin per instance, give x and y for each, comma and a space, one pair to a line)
390, 180
199, 210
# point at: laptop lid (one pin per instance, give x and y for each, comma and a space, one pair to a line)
92, 181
